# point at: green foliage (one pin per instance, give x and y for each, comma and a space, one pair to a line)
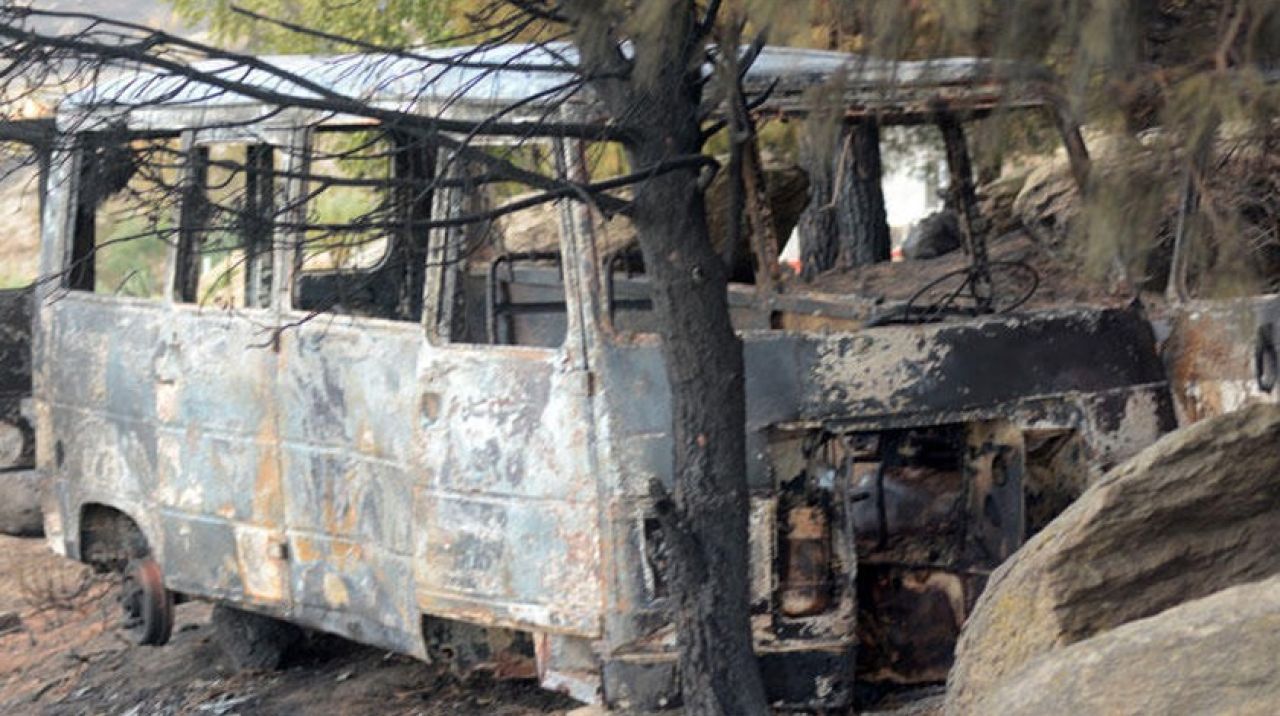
134, 225
131, 257
13, 278
341, 157
394, 23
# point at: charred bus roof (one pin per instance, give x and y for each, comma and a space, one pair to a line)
523, 81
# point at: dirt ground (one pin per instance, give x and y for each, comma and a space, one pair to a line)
67, 658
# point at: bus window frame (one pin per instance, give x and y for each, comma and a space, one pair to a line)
579, 277
296, 200
66, 240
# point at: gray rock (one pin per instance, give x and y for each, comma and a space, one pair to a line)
935, 235
12, 444
1216, 655
20, 503
1048, 204
9, 621
1197, 512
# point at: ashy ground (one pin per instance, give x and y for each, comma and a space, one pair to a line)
66, 657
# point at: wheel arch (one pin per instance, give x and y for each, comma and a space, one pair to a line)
109, 536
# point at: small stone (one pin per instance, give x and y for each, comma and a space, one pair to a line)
9, 621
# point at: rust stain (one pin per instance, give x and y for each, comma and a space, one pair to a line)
268, 489
306, 550
1199, 355
335, 591
806, 587
264, 577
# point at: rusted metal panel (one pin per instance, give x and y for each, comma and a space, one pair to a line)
345, 407
218, 481
354, 480
1074, 369
98, 410
903, 371
112, 455
1217, 354
509, 500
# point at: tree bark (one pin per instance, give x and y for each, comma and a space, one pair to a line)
817, 226
860, 213
704, 518
845, 224
706, 521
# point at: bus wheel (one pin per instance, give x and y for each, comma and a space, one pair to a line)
147, 605
252, 641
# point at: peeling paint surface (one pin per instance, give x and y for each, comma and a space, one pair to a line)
234, 456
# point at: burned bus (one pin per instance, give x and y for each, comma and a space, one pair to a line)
279, 393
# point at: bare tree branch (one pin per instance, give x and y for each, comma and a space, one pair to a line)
364, 45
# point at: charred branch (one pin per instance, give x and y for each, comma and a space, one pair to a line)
431, 129
433, 59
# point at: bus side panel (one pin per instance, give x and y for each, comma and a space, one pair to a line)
348, 396
509, 529
97, 403
219, 491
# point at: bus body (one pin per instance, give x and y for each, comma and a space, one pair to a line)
450, 456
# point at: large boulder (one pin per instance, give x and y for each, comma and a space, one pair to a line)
1216, 655
1197, 512
1048, 202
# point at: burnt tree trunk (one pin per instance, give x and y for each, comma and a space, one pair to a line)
706, 517
704, 513
860, 214
961, 195
845, 224
819, 239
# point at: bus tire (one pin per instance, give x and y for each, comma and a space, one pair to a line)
147, 605
252, 642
